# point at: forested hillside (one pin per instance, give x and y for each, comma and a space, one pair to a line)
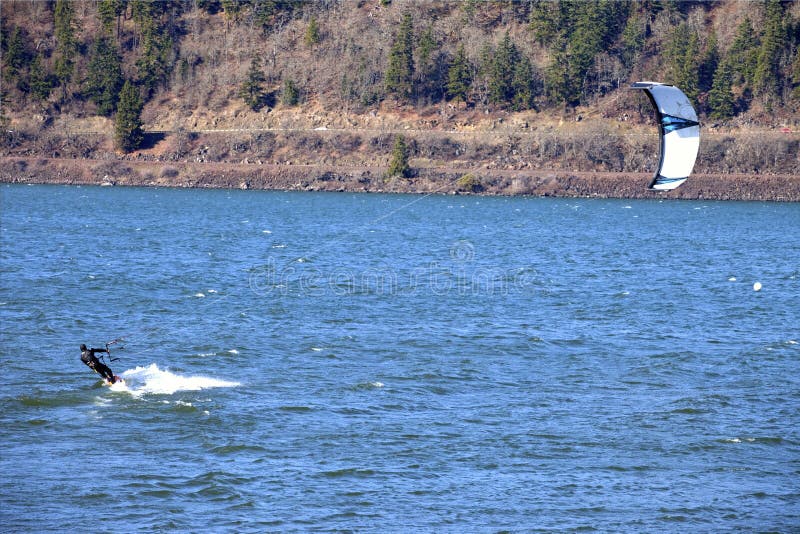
124, 69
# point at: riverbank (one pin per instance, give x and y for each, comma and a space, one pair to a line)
37, 170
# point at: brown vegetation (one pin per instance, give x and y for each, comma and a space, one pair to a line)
342, 133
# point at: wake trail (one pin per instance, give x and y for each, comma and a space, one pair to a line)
151, 379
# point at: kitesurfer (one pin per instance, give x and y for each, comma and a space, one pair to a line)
88, 357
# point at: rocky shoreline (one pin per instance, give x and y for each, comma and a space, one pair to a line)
561, 183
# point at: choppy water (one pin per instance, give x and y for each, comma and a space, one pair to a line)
300, 361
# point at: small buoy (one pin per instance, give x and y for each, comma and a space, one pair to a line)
757, 286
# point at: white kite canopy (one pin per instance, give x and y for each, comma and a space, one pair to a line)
679, 131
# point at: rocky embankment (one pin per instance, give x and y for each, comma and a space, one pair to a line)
38, 170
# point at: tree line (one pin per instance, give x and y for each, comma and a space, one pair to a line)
535, 55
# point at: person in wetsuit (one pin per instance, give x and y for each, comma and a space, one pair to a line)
88, 357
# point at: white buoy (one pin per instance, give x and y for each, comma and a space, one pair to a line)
757, 286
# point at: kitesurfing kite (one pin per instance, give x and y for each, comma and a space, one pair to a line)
679, 131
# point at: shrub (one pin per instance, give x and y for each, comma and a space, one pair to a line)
469, 183
398, 166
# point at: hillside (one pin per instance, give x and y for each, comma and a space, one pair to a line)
474, 86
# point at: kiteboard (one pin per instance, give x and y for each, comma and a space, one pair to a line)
117, 380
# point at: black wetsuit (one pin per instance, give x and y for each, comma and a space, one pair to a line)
88, 357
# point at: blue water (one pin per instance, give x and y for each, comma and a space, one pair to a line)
303, 361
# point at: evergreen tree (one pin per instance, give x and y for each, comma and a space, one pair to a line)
511, 80
398, 166
40, 82
743, 54
232, 8
267, 13
720, 98
796, 77
709, 63
155, 44
400, 72
430, 75
15, 55
128, 125
683, 52
501, 81
548, 19
66, 45
596, 26
633, 39
312, 33
106, 13
252, 89
766, 76
556, 78
577, 32
154, 63
431, 68
523, 84
290, 95
5, 122
459, 76
104, 79
468, 9
109, 11
425, 49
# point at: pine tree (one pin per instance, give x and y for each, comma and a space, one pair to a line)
5, 131
482, 73
153, 64
104, 79
743, 54
425, 49
290, 95
458, 76
576, 32
66, 45
683, 52
709, 63
501, 81
547, 20
108, 11
268, 12
523, 84
155, 44
596, 25
796, 77
252, 89
40, 82
232, 9
766, 76
128, 125
720, 98
556, 78
430, 78
398, 166
312, 33
400, 71
15, 54
633, 39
